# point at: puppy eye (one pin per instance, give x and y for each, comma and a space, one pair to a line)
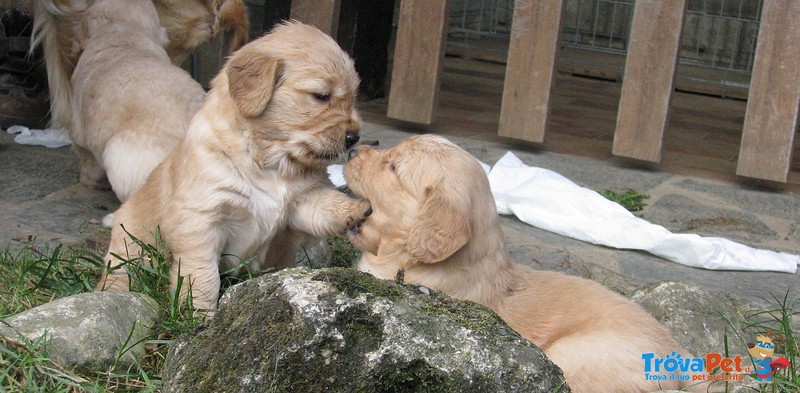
322, 97
392, 166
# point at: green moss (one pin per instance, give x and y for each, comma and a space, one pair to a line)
354, 283
414, 376
467, 314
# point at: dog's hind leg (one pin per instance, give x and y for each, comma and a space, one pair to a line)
605, 361
92, 173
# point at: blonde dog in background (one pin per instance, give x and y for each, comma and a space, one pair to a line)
59, 29
130, 105
435, 217
251, 172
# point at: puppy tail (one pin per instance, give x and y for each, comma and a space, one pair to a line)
61, 51
233, 21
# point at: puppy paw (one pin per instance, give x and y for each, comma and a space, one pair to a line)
360, 211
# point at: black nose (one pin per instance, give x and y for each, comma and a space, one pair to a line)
350, 139
352, 154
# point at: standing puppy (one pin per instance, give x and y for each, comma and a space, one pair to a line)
251, 169
130, 105
188, 23
435, 217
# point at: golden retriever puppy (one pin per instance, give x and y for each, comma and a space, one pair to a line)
189, 23
434, 216
252, 169
130, 105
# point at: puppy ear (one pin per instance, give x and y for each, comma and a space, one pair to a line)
441, 228
252, 77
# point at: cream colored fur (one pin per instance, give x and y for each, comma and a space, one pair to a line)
130, 105
435, 217
250, 174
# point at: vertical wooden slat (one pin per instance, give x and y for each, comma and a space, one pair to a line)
772, 104
418, 55
323, 14
530, 70
649, 77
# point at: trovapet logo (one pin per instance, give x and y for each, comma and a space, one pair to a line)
711, 367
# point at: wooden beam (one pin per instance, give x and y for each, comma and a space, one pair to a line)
418, 54
647, 85
531, 68
323, 14
772, 105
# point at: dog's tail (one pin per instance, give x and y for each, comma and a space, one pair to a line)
53, 23
232, 20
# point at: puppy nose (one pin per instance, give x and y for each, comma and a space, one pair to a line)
350, 139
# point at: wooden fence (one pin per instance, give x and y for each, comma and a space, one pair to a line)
772, 107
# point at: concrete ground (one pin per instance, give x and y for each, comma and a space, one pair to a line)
41, 202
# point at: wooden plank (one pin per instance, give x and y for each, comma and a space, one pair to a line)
418, 54
772, 105
530, 73
323, 14
649, 78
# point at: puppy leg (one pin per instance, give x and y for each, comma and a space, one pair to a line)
197, 262
324, 212
92, 173
282, 251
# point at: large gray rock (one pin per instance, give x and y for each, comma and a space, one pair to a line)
701, 321
88, 330
340, 330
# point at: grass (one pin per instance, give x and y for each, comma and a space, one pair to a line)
34, 276
629, 199
780, 323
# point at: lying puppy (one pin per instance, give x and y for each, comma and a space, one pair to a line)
189, 24
435, 217
130, 105
251, 170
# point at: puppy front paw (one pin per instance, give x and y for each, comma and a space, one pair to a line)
358, 214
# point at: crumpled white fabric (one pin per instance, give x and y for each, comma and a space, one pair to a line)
49, 137
547, 200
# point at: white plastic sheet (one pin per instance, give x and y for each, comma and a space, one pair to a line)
547, 200
49, 137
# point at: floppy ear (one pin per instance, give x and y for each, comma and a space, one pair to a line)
441, 228
252, 77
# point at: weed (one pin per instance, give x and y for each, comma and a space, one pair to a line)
35, 276
629, 199
778, 323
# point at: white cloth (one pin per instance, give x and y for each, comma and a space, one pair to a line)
547, 200
49, 137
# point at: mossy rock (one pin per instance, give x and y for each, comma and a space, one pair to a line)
337, 329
